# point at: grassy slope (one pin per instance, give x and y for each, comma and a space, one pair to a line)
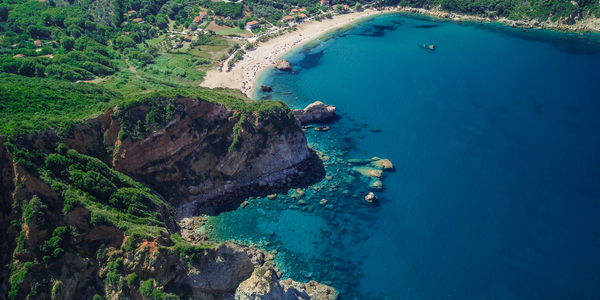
33, 104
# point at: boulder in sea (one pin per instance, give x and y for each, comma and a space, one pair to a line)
283, 65
266, 88
375, 129
315, 112
322, 128
370, 198
272, 196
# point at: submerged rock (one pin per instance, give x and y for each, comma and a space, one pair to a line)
383, 164
358, 162
375, 184
367, 171
314, 112
283, 65
266, 88
322, 128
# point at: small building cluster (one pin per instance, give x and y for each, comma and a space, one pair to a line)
298, 12
200, 18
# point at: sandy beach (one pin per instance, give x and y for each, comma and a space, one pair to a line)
245, 72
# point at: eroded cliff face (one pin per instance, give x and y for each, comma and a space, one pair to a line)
207, 153
72, 223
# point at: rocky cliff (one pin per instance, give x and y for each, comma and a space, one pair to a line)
91, 212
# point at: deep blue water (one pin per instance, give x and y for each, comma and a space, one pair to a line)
495, 137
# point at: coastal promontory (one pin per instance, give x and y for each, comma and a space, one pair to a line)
104, 208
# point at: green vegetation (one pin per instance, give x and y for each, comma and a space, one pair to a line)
113, 198
131, 279
56, 289
33, 104
148, 289
54, 248
515, 10
129, 245
18, 271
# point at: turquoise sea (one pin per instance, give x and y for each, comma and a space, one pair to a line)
495, 139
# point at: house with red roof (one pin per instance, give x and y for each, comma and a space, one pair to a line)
137, 20
131, 12
346, 7
294, 10
18, 55
302, 16
37, 43
303, 9
288, 18
252, 25
197, 19
187, 38
325, 3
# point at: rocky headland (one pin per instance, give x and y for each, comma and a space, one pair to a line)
93, 211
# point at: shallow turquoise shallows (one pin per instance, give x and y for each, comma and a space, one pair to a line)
495, 138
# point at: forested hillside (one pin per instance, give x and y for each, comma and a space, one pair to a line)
512, 9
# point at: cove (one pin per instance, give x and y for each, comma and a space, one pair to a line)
494, 137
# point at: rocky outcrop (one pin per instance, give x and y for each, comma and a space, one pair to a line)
315, 112
266, 88
283, 65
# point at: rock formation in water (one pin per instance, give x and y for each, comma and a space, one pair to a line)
92, 212
266, 88
283, 65
315, 112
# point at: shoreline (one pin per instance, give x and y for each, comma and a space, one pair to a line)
258, 60
248, 71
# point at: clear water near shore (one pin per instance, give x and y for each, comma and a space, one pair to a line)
495, 138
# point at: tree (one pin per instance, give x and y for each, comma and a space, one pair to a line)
124, 42
249, 46
67, 43
161, 21
357, 6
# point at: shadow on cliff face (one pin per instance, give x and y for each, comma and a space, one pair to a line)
310, 172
